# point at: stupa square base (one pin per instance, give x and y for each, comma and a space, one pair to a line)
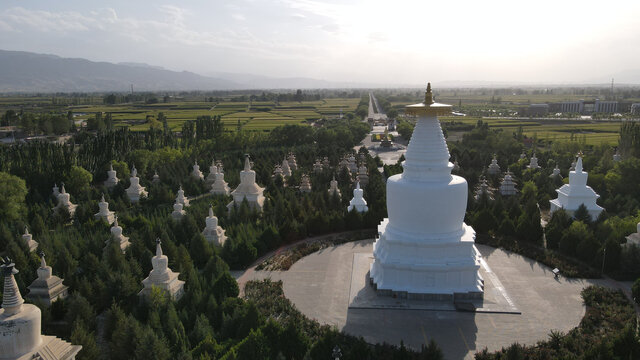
364, 295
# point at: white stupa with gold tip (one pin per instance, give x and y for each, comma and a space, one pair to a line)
196, 173
20, 327
576, 193
162, 277
424, 249
64, 201
117, 237
135, 191
104, 212
27, 239
247, 189
358, 202
47, 288
112, 179
213, 232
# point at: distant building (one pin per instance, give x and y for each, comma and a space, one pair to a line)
607, 107
537, 110
635, 108
572, 106
588, 107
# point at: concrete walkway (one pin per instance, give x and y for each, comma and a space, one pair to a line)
319, 286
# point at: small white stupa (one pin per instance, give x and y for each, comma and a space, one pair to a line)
156, 178
248, 189
64, 201
508, 185
213, 232
135, 191
220, 187
325, 162
344, 163
277, 172
493, 168
358, 202
56, 191
305, 184
292, 162
27, 239
317, 166
633, 239
180, 198
286, 170
576, 193
573, 166
178, 212
617, 157
196, 173
483, 188
363, 177
352, 165
211, 177
424, 249
112, 179
162, 277
456, 167
20, 327
523, 156
117, 237
47, 288
556, 172
333, 189
533, 163
104, 212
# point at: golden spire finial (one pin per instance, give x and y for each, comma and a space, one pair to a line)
428, 96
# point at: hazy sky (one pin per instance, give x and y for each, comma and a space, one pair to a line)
390, 41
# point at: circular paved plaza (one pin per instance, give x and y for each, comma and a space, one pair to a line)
319, 286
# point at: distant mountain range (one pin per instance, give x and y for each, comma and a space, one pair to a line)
30, 73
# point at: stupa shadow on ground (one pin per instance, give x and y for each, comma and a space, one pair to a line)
363, 295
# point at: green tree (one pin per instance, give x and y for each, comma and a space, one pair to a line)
78, 180
13, 191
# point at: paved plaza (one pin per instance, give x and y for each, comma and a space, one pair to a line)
319, 285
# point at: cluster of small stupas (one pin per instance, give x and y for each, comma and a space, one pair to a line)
162, 277
508, 185
576, 193
358, 203
212, 231
247, 189
104, 212
64, 201
27, 239
112, 179
424, 249
117, 236
196, 173
47, 288
135, 191
20, 326
493, 168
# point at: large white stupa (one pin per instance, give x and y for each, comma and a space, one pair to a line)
424, 249
576, 193
248, 189
162, 277
20, 327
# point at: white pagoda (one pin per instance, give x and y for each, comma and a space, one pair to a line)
20, 327
533, 163
493, 168
333, 189
576, 193
162, 277
104, 212
27, 239
305, 184
178, 212
220, 187
180, 198
292, 162
117, 237
196, 173
286, 170
135, 191
112, 179
424, 249
248, 189
211, 177
556, 172
508, 185
64, 202
47, 288
358, 202
213, 232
